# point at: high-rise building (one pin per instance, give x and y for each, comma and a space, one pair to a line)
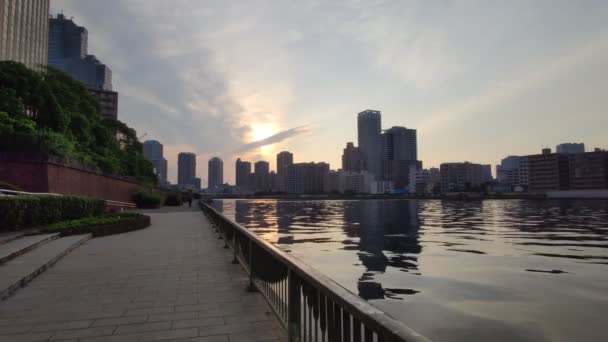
589, 171
262, 167
399, 143
68, 52
307, 177
242, 169
352, 159
399, 155
369, 140
186, 169
153, 151
24, 32
548, 171
398, 171
284, 159
570, 148
513, 171
108, 103
216, 173
460, 176
261, 181
566, 170
486, 173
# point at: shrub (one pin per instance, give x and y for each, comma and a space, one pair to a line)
173, 199
29, 211
101, 225
148, 199
85, 222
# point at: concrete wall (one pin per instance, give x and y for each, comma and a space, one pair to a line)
44, 176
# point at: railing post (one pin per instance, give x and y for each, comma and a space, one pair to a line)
294, 324
225, 240
251, 286
234, 248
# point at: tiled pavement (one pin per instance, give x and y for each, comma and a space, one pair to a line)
172, 281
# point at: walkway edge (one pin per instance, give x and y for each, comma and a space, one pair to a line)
7, 292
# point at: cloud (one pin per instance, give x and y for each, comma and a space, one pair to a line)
507, 90
200, 75
168, 79
286, 134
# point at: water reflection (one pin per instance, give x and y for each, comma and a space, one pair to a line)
509, 267
388, 236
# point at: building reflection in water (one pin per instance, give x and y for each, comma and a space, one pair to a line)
383, 227
382, 234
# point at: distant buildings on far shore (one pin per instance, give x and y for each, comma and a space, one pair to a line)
569, 168
153, 151
186, 171
215, 169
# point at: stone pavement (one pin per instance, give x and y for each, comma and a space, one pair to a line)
172, 281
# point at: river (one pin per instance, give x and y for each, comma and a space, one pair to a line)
492, 270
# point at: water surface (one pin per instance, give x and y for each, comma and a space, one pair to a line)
499, 270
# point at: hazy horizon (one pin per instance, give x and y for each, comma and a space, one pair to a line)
479, 80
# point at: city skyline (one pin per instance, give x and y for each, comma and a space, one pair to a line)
470, 96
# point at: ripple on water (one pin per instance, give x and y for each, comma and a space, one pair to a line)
510, 266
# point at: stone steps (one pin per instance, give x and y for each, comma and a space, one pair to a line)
22, 244
19, 270
6, 237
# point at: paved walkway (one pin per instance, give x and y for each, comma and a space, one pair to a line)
172, 281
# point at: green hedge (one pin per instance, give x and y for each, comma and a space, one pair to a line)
101, 225
90, 221
30, 211
148, 199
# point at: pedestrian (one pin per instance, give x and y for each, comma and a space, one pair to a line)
190, 199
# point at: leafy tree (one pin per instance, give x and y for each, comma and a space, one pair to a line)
60, 115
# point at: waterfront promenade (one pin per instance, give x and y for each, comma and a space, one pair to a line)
172, 281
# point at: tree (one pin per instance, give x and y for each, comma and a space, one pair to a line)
61, 116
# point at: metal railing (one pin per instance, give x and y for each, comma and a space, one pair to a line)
6, 192
309, 305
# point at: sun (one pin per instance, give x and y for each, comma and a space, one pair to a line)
260, 132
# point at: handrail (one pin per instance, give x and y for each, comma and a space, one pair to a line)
14, 193
121, 204
311, 287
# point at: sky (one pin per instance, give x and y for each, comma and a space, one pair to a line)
479, 80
